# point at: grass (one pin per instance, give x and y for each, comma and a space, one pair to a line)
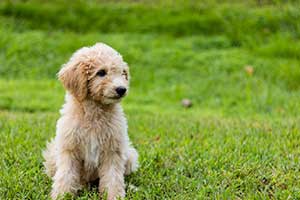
240, 140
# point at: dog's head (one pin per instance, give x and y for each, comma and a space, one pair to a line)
98, 73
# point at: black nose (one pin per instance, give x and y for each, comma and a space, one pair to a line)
120, 91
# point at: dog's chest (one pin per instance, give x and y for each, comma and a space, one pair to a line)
92, 150
97, 140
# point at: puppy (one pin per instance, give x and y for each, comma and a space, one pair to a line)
91, 135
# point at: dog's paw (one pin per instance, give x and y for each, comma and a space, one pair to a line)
132, 163
112, 194
55, 195
60, 189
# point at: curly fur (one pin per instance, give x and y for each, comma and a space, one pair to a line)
91, 135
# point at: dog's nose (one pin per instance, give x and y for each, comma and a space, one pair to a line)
120, 91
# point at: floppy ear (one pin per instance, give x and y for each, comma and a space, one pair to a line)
74, 79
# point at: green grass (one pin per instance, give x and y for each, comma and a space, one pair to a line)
240, 140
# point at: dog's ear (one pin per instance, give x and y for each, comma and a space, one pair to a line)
74, 79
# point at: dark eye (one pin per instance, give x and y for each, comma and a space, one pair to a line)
101, 73
125, 74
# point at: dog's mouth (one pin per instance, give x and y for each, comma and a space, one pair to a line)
115, 97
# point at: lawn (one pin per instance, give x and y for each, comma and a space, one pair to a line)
239, 64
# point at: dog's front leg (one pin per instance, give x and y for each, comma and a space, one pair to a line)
67, 177
111, 174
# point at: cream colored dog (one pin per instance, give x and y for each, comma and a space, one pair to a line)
91, 135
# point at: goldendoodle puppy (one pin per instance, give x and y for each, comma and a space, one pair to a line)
91, 135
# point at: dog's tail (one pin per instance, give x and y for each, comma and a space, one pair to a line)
50, 160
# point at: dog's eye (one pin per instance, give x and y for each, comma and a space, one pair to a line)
101, 73
125, 74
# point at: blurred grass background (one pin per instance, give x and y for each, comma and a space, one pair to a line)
237, 61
